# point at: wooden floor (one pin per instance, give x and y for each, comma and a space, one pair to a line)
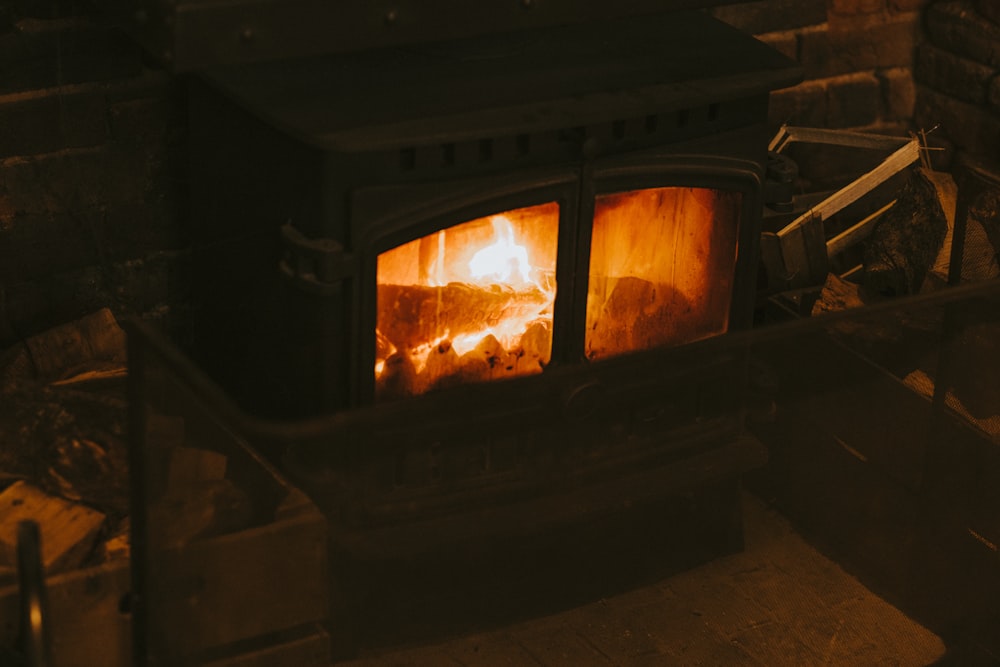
780, 602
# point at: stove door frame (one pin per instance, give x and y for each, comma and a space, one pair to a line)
418, 210
697, 171
388, 216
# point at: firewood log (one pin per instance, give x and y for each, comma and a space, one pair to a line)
410, 315
504, 365
190, 465
442, 362
536, 344
905, 241
68, 530
490, 350
383, 348
92, 343
197, 511
398, 379
639, 315
473, 368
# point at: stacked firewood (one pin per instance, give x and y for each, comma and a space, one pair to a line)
64, 459
909, 252
64, 463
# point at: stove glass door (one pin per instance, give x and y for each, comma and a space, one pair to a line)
470, 303
662, 263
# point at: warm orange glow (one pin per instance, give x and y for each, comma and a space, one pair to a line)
661, 268
469, 303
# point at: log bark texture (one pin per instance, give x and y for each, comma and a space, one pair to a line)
905, 242
410, 315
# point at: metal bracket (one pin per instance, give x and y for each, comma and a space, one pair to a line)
317, 266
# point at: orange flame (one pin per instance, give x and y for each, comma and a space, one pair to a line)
498, 262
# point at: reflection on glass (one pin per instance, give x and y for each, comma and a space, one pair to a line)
661, 268
469, 303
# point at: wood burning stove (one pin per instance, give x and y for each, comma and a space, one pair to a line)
493, 272
498, 265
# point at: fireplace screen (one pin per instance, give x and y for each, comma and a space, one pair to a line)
661, 268
469, 303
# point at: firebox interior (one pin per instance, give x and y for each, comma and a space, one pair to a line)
661, 268
468, 303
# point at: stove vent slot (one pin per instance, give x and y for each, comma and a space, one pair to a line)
467, 154
500, 150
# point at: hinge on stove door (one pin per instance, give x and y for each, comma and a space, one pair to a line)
318, 266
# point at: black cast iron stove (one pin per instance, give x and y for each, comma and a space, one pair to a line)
492, 257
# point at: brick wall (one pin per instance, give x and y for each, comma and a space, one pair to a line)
857, 56
91, 171
958, 75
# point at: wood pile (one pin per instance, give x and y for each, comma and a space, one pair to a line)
223, 516
62, 422
905, 248
68, 530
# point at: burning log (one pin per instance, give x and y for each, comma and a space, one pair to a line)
473, 368
535, 349
411, 315
383, 348
442, 363
490, 350
398, 379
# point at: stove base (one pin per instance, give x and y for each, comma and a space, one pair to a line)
391, 602
390, 586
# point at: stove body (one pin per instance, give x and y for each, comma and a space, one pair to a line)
308, 173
